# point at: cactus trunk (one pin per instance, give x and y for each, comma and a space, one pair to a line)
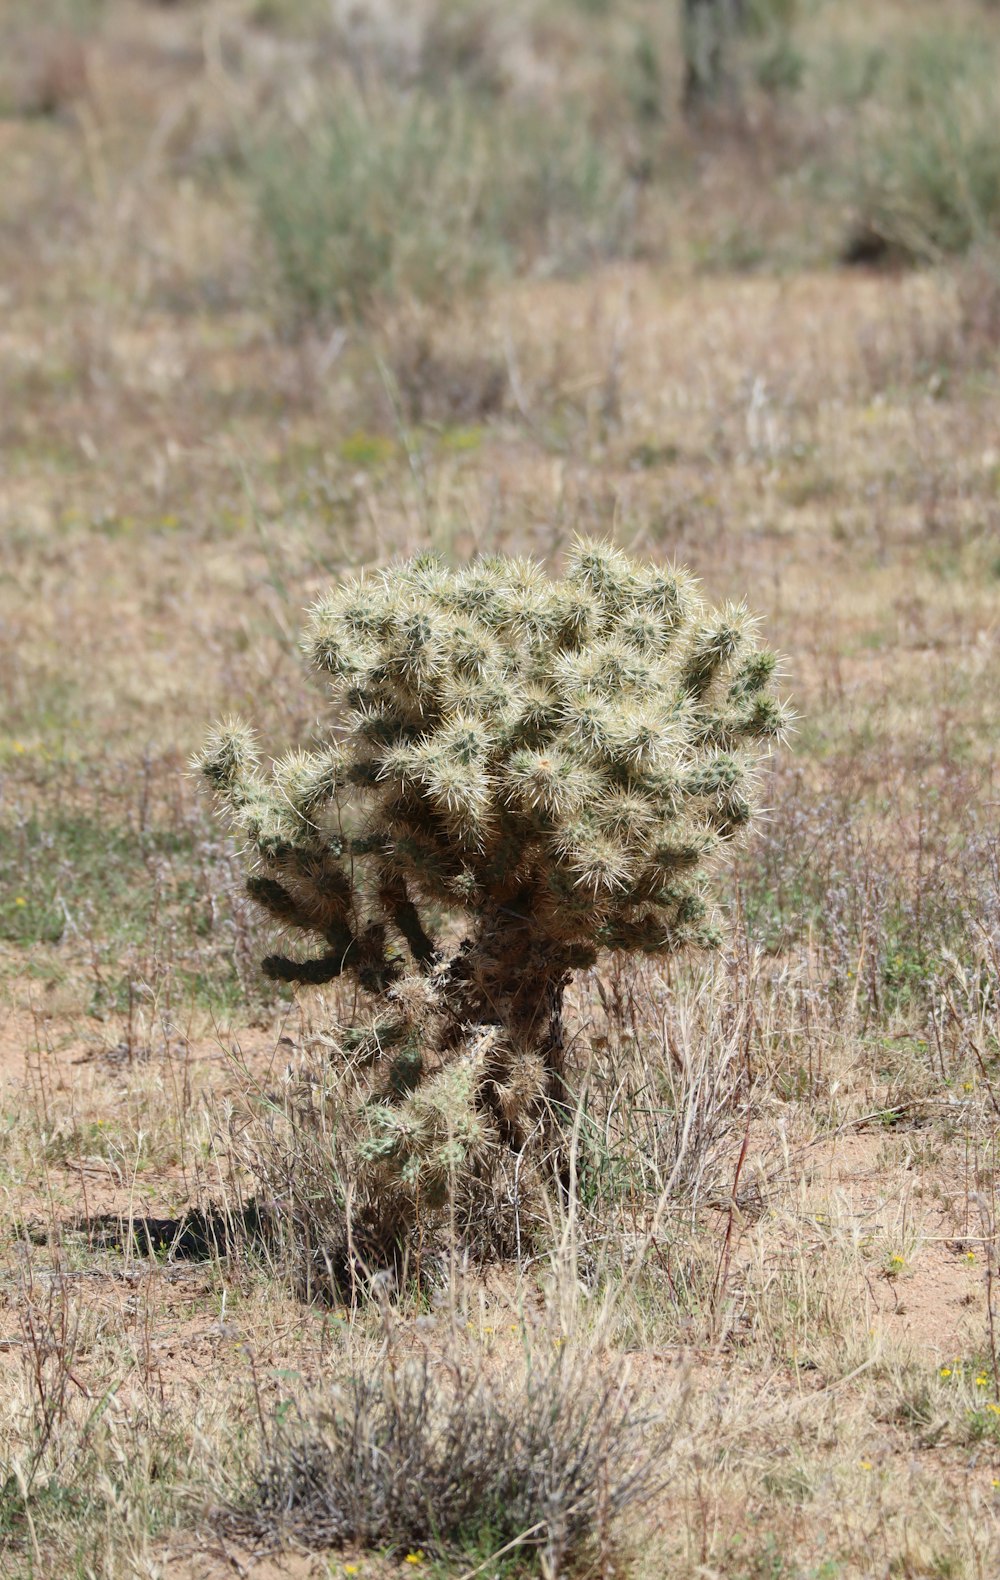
505, 978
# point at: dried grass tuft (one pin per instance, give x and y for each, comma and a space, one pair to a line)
445, 1456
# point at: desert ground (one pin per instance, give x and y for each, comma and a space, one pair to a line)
786, 1246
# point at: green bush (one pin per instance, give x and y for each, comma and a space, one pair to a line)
928, 180
423, 198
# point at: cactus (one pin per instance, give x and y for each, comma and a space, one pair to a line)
553, 762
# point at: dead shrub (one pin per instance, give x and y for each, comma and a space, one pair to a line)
440, 1454
676, 1064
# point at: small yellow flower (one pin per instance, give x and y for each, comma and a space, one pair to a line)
982, 1380
414, 1558
351, 1569
20, 900
967, 1086
995, 1482
970, 1256
994, 1407
865, 1464
20, 747
945, 1371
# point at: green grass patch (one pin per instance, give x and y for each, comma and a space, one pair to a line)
891, 925
142, 907
928, 181
69, 871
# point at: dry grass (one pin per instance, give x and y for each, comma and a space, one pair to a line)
783, 1201
435, 1452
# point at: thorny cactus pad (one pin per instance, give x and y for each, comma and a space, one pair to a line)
555, 761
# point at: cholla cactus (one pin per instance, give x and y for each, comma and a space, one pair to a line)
555, 762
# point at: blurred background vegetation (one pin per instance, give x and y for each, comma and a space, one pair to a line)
393, 153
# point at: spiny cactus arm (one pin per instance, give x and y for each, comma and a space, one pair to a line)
759, 720
550, 781
412, 841
722, 788
624, 812
576, 617
309, 894
671, 595
343, 628
397, 1025
274, 898
534, 717
506, 871
605, 572
323, 968
405, 1072
426, 573
645, 931
376, 963
714, 777
600, 865
308, 782
442, 783
365, 954
303, 879
370, 1039
342, 944
674, 917
716, 644
229, 762
517, 1087
754, 675
765, 718
434, 1132
459, 795
748, 714
395, 899
611, 669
